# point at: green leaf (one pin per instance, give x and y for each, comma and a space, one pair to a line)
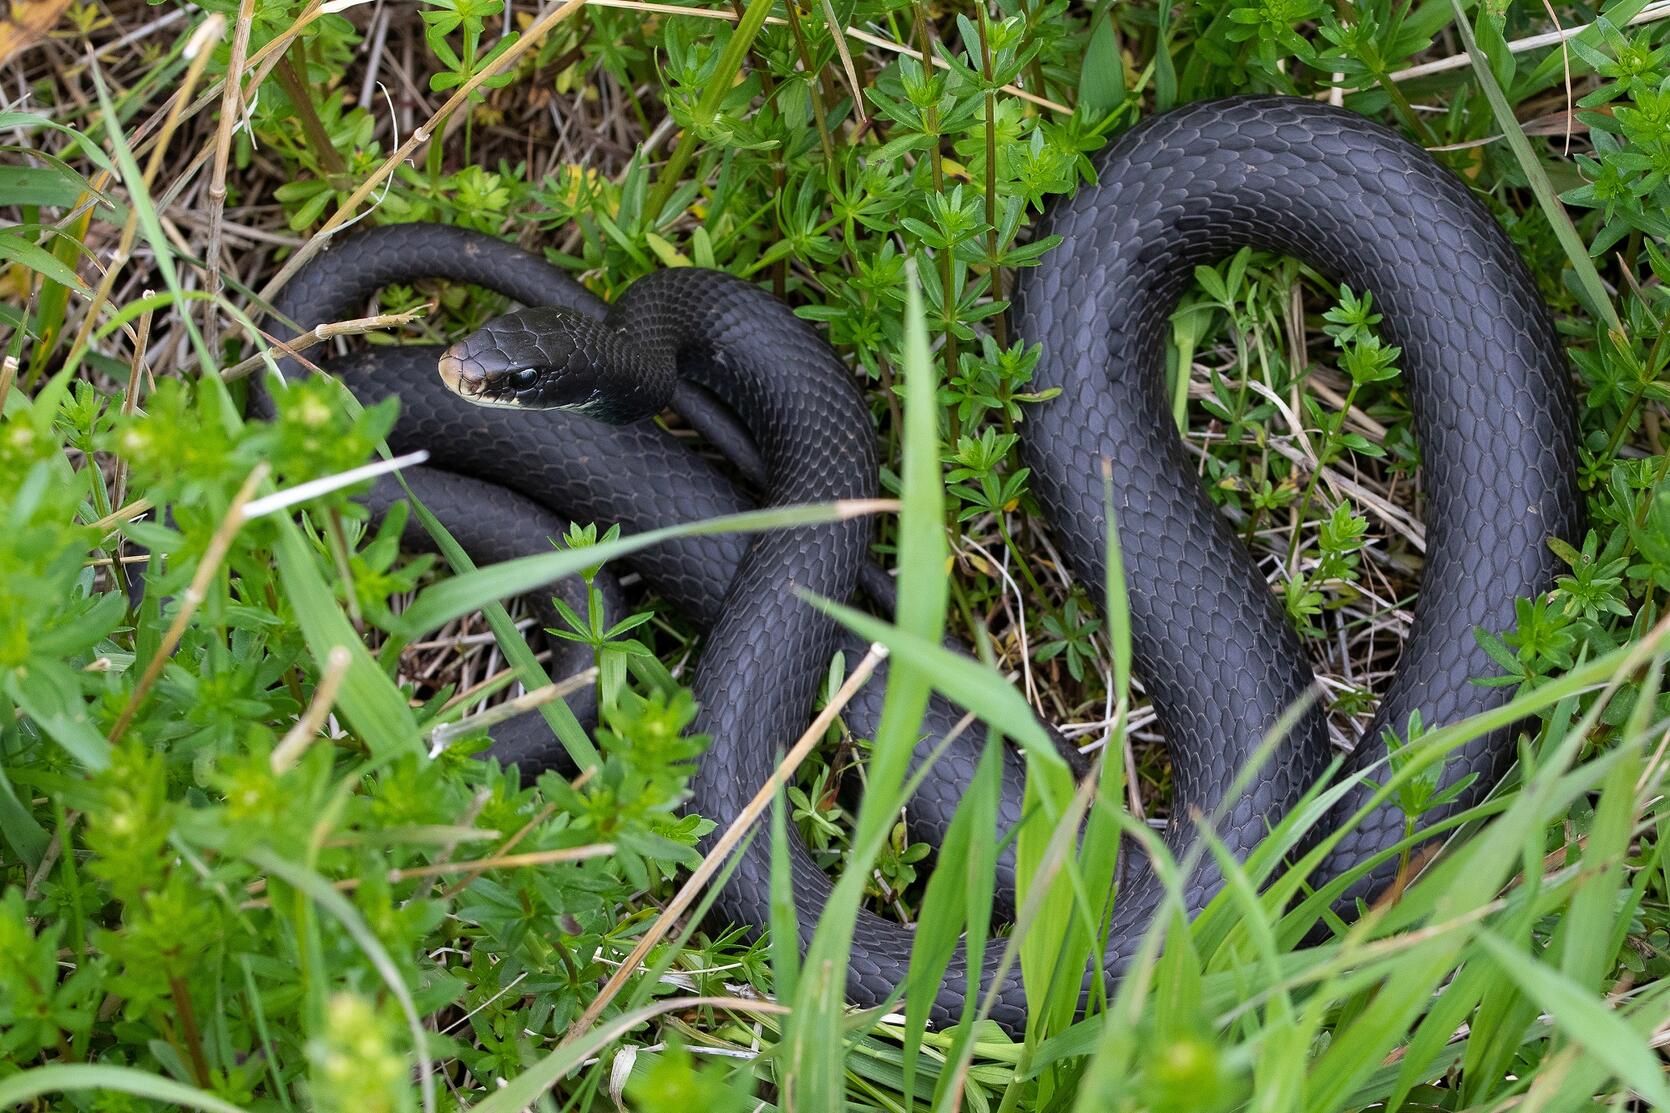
63, 1078
1102, 84
27, 839
665, 251
528, 1088
16, 249
1583, 268
368, 699
464, 594
322, 893
1590, 940
965, 682
713, 96
959, 893
814, 1032
1582, 1015
1554, 63
145, 208
40, 185
88, 148
785, 959
47, 692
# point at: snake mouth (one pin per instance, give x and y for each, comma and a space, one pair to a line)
465, 377
460, 376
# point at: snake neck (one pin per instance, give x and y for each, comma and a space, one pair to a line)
784, 383
549, 358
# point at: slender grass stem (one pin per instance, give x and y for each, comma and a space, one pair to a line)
294, 84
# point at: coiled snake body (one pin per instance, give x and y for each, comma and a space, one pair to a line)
1482, 367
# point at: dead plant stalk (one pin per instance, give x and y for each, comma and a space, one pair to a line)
727, 842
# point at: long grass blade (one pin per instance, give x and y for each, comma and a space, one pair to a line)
318, 890
98, 1078
813, 1038
1588, 279
469, 592
1582, 1016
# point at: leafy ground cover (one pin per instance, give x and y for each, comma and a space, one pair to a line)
251, 862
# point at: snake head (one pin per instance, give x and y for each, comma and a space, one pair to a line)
550, 359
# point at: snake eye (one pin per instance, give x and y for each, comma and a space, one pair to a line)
524, 378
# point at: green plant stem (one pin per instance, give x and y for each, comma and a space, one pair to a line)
1035, 70
337, 538
1324, 454
188, 1030
1643, 382
724, 75
1406, 111
301, 98
947, 264
1577, 253
1020, 561
1000, 330
815, 76
768, 86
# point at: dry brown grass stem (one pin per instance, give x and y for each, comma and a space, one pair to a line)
231, 109
260, 64
320, 333
727, 842
417, 141
509, 844
198, 49
1649, 14
299, 737
1013, 90
476, 867
192, 598
135, 509
443, 735
481, 687
130, 399
508, 861
847, 67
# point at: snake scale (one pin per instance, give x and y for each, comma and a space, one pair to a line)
1482, 368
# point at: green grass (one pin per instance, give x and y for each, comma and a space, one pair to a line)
235, 874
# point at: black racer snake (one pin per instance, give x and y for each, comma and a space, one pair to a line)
1482, 367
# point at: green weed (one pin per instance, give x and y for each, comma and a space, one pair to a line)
239, 872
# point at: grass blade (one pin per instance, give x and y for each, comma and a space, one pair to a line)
1590, 941
965, 682
322, 893
785, 961
371, 703
958, 894
69, 1078
1577, 254
1578, 1013
468, 592
724, 77
814, 1038
527, 1088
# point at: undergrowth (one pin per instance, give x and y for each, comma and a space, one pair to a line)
250, 860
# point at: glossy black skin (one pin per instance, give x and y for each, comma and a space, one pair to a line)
1494, 417
550, 358
503, 480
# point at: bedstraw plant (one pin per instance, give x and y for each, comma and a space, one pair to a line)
253, 854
